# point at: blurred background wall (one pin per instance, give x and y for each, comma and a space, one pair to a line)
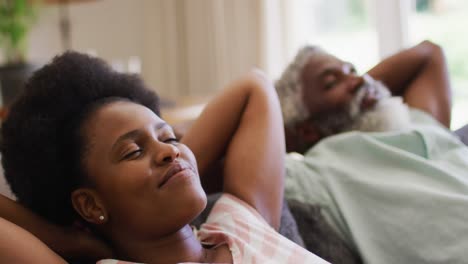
192, 48
184, 48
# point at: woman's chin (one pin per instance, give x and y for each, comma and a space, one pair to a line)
193, 205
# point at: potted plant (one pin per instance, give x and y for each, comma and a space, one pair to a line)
16, 19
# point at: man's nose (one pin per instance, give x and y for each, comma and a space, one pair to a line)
354, 82
166, 153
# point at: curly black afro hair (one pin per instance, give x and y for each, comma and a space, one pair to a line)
41, 143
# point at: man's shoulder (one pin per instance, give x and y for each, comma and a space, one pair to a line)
420, 117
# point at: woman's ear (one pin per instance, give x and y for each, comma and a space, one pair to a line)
88, 204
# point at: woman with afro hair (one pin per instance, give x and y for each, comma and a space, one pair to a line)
85, 145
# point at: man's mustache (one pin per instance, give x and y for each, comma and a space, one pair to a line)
371, 87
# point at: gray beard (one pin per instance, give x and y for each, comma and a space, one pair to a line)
389, 113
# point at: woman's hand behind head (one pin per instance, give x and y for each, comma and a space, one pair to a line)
244, 125
80, 243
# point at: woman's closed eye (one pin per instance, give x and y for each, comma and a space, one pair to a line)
132, 154
171, 140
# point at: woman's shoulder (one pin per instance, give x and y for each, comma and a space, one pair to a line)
234, 208
248, 236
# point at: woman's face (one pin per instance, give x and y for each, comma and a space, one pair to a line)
148, 182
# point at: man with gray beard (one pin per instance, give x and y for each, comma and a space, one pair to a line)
378, 157
322, 95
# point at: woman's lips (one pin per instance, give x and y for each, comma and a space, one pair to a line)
178, 169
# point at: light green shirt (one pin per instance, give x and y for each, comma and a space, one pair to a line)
396, 197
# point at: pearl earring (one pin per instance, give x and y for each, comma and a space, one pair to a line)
101, 218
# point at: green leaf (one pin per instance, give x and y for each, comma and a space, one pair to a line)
16, 19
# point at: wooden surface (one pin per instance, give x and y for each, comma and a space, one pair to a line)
184, 109
4, 188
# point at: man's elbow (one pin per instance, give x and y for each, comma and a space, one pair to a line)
432, 48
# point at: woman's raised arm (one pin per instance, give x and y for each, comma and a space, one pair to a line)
244, 125
19, 246
67, 241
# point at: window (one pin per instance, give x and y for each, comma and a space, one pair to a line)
443, 22
342, 27
364, 31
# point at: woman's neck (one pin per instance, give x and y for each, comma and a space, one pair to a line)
181, 246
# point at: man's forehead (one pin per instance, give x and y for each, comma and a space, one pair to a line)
322, 62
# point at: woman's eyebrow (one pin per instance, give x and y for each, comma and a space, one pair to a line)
129, 135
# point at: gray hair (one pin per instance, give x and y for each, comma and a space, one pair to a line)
289, 87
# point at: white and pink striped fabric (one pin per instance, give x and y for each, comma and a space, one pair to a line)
249, 237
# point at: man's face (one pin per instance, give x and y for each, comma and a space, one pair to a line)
375, 114
335, 95
329, 83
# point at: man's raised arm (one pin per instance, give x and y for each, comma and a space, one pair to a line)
420, 75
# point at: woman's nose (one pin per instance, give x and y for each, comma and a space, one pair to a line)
166, 153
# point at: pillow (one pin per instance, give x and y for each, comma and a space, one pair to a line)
319, 237
462, 133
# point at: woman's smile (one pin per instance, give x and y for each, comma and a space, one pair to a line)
178, 171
